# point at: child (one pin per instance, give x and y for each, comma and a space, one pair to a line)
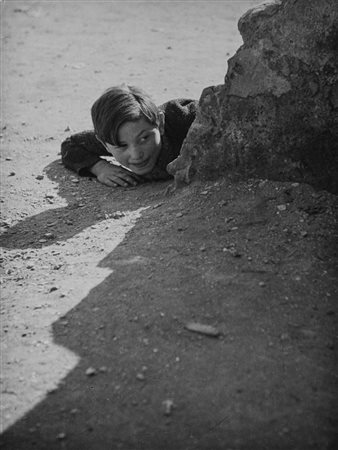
141, 137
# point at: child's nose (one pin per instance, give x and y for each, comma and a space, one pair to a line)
135, 153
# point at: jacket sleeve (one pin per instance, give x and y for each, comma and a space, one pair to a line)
81, 151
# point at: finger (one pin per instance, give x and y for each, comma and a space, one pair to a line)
130, 175
109, 183
106, 181
129, 179
126, 177
118, 181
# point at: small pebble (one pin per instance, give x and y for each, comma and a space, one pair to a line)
90, 372
168, 407
140, 377
61, 436
308, 333
281, 207
39, 177
208, 330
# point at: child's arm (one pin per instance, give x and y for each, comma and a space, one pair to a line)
111, 175
82, 153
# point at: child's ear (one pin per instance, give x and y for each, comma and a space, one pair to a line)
161, 122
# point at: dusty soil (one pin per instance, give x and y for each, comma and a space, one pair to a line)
99, 285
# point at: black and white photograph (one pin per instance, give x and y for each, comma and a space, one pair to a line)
169, 225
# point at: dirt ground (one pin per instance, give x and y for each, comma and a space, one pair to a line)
100, 286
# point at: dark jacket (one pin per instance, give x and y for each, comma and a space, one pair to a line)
82, 150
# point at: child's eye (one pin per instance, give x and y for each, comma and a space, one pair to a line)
144, 138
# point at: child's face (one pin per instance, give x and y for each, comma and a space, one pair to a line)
140, 145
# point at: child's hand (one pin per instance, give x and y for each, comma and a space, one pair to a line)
112, 175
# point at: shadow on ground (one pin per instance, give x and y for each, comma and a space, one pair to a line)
88, 203
218, 254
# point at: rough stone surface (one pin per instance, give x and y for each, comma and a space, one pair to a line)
276, 115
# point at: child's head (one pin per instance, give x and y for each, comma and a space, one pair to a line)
130, 126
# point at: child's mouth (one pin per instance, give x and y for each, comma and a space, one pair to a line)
142, 164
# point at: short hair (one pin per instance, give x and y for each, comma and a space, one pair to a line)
120, 104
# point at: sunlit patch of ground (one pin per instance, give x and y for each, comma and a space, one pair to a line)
39, 286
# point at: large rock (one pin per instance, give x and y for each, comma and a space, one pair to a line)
276, 115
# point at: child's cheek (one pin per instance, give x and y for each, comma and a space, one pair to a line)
122, 158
